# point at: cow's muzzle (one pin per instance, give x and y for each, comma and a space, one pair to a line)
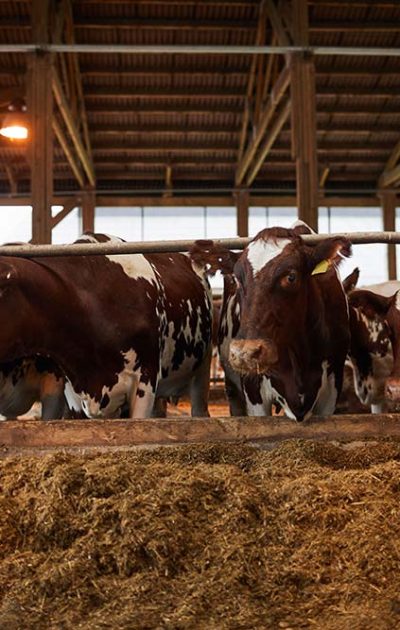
392, 389
252, 356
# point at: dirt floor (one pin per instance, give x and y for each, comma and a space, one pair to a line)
217, 537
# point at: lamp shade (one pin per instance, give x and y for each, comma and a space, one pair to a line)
14, 124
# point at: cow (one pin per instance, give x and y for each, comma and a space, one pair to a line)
293, 334
374, 327
122, 328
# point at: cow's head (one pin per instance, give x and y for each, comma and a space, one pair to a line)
276, 275
392, 389
372, 324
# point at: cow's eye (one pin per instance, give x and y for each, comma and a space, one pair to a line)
289, 279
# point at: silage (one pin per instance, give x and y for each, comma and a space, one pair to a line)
304, 536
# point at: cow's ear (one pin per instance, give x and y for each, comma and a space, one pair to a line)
350, 283
212, 257
330, 251
371, 303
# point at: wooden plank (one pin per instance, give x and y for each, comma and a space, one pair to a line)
88, 210
266, 116
75, 167
304, 136
40, 106
155, 431
72, 127
60, 216
242, 212
250, 83
389, 223
268, 142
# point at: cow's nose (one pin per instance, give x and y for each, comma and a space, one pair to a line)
252, 355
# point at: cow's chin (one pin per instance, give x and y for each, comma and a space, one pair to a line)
252, 356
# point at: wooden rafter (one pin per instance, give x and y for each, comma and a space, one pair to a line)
304, 136
269, 140
11, 177
266, 116
68, 207
72, 127
72, 161
391, 173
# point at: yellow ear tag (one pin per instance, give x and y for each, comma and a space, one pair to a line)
322, 267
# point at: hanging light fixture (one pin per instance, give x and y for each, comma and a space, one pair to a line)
15, 124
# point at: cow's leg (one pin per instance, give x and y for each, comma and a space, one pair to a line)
52, 396
379, 407
141, 399
234, 394
159, 408
200, 386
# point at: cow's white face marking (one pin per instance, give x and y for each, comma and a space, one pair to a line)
371, 389
374, 326
135, 266
260, 252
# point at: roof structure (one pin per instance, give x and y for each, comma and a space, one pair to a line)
182, 124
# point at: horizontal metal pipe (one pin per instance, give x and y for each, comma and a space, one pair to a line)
153, 247
201, 50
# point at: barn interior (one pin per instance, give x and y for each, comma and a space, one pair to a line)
167, 103
158, 119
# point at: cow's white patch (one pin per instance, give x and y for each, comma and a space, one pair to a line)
374, 326
73, 399
119, 394
325, 401
135, 266
397, 302
260, 252
269, 395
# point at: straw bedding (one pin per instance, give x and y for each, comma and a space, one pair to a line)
304, 536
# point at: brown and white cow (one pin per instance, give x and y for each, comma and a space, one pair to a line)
375, 330
123, 328
293, 337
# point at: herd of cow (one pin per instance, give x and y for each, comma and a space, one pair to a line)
118, 335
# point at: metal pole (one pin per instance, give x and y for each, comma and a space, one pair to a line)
202, 50
153, 247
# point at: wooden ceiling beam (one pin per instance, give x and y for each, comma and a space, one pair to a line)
251, 81
111, 109
109, 129
60, 216
142, 72
269, 140
40, 106
72, 161
323, 145
277, 94
11, 177
72, 127
167, 93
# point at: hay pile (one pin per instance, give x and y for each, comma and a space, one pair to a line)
216, 537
